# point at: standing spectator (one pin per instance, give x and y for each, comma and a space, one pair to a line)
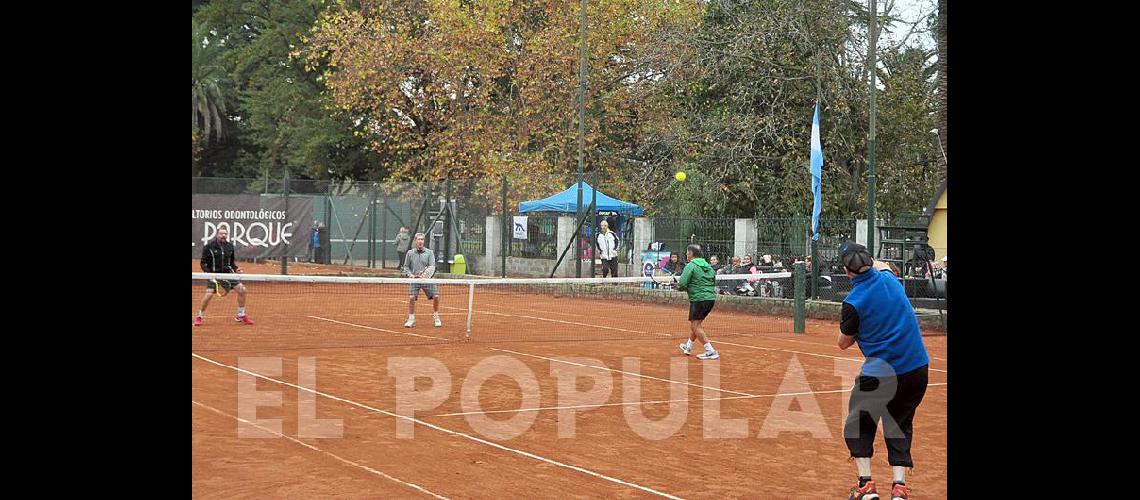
607, 250
314, 241
403, 242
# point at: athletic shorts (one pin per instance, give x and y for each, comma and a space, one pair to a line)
227, 285
700, 309
428, 288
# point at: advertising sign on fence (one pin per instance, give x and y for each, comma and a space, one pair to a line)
259, 226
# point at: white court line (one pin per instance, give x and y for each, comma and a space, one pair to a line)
624, 372
536, 318
374, 328
575, 407
446, 431
572, 323
821, 344
314, 448
856, 360
667, 335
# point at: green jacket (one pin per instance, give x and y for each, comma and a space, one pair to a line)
699, 280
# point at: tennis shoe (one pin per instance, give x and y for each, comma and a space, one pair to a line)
708, 355
198, 321
687, 349
438, 323
900, 492
867, 492
410, 323
244, 319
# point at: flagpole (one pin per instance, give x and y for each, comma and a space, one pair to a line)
814, 247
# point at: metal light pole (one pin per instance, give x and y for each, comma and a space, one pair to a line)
871, 178
581, 133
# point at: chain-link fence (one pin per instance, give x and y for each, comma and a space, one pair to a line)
717, 236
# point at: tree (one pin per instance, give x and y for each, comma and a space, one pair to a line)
206, 84
281, 117
488, 88
940, 33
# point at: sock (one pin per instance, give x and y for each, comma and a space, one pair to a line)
863, 480
412, 317
863, 465
435, 314
900, 474
199, 313
241, 311
708, 347
689, 343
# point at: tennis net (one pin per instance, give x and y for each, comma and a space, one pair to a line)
314, 312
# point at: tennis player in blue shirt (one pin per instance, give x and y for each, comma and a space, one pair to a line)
878, 317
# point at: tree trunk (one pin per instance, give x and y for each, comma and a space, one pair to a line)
943, 132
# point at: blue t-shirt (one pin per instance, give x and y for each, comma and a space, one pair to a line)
314, 238
888, 329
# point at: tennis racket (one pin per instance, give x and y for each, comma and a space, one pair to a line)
669, 279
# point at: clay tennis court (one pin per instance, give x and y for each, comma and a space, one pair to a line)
351, 334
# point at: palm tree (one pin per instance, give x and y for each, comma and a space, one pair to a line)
206, 90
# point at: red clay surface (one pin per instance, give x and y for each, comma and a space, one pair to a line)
353, 334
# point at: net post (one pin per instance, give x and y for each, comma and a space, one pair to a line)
799, 306
470, 307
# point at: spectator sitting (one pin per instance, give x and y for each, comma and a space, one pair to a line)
746, 267
917, 267
715, 263
894, 269
778, 264
674, 266
732, 266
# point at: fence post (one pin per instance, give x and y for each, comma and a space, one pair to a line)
447, 222
383, 234
799, 309
504, 231
326, 253
285, 254
594, 226
815, 269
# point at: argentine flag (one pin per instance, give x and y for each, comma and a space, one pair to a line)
816, 175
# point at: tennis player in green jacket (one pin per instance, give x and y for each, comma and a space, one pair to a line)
698, 279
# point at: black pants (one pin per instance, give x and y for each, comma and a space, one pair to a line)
609, 267
892, 399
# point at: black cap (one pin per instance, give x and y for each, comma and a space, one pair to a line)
855, 257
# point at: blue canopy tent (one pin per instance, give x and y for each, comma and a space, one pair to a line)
567, 202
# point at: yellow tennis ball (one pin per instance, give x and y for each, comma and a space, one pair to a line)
680, 176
